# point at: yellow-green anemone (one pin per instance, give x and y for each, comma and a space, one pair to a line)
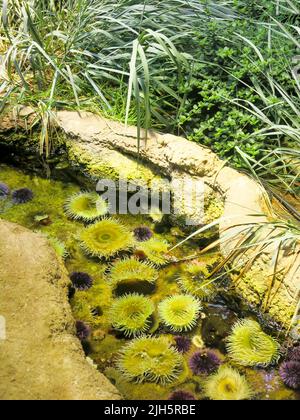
131, 270
180, 312
194, 280
155, 250
227, 384
106, 238
249, 345
150, 359
86, 206
131, 314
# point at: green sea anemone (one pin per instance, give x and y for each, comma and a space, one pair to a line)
248, 345
150, 359
86, 206
106, 238
58, 246
131, 314
227, 384
179, 312
193, 280
198, 342
131, 270
154, 250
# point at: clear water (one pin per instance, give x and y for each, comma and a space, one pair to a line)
45, 213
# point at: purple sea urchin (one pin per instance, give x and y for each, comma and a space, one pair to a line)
22, 196
290, 374
183, 344
82, 330
81, 281
204, 362
294, 354
4, 190
181, 396
142, 233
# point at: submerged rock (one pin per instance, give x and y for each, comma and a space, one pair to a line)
217, 326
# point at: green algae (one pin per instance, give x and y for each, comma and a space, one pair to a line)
45, 213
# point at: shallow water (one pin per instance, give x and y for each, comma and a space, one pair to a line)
45, 213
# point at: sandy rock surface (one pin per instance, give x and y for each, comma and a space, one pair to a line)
41, 357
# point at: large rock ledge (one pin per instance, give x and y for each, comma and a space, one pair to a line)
41, 359
101, 148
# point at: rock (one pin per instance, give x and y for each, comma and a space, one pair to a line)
41, 357
217, 326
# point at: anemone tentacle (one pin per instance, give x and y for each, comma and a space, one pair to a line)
180, 312
249, 345
227, 384
131, 314
150, 359
106, 238
86, 206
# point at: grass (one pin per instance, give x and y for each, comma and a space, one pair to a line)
71, 52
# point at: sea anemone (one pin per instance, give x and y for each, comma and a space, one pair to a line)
59, 247
106, 238
193, 280
204, 362
227, 384
131, 314
154, 250
22, 196
82, 330
294, 354
181, 396
4, 190
183, 344
198, 341
142, 233
131, 270
179, 312
86, 206
81, 281
290, 374
248, 345
150, 359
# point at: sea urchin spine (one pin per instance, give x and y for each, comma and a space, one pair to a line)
82, 330
204, 362
181, 396
290, 374
4, 190
81, 281
22, 196
142, 234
